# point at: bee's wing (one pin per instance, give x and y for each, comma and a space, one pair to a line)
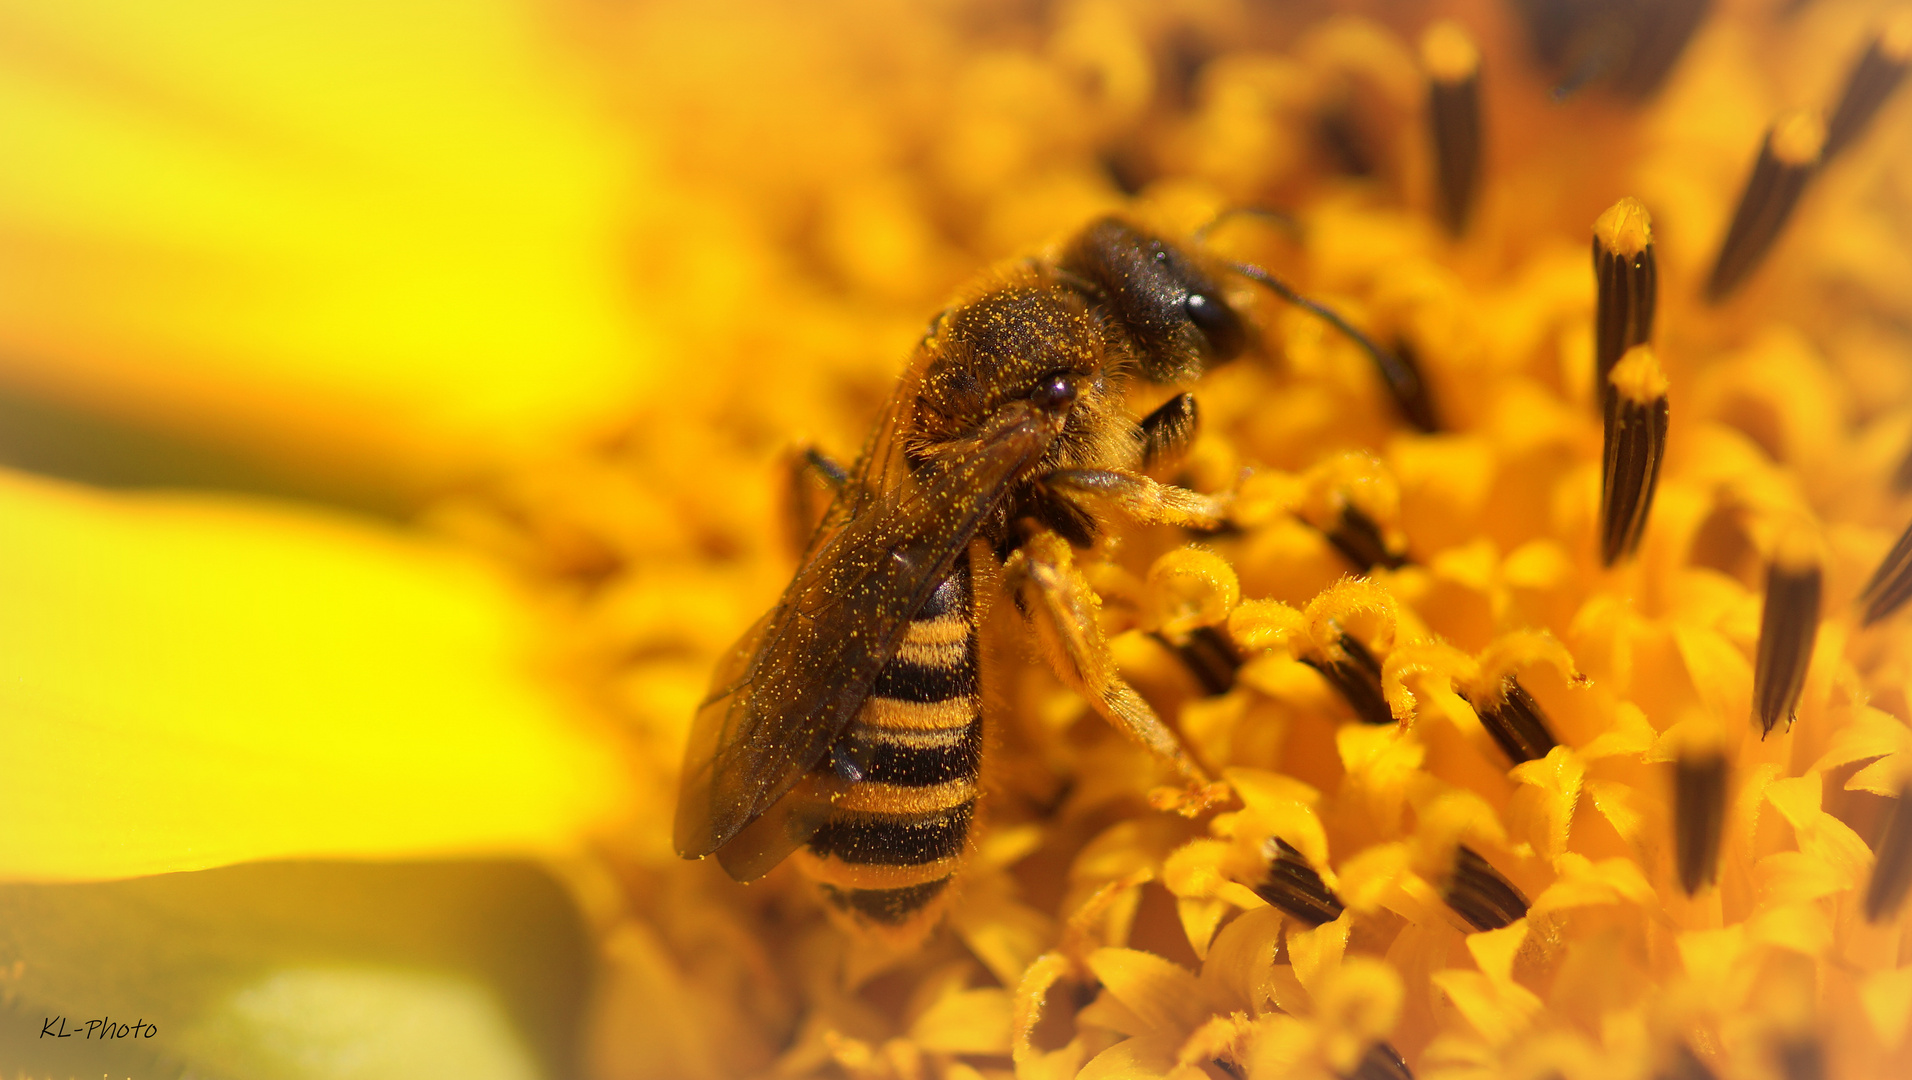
797, 679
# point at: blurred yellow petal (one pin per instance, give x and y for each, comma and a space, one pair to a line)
191, 682
298, 971
1164, 996
366, 1024
970, 1022
361, 235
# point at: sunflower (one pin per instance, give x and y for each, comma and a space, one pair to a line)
401, 398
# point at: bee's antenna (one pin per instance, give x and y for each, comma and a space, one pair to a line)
1403, 381
1265, 213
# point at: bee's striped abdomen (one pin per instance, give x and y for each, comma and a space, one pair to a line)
900, 830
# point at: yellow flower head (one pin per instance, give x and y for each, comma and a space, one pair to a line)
1550, 661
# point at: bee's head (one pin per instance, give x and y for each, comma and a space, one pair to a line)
1027, 340
1159, 296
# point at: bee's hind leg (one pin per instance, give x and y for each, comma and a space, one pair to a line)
1057, 597
812, 479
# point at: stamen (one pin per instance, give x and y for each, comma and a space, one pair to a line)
1356, 536
1787, 628
1294, 886
1358, 676
1381, 1062
1636, 420
1872, 81
1892, 872
1478, 893
1699, 817
1209, 656
1787, 159
1660, 31
1637, 42
1398, 373
1628, 279
1902, 476
1891, 584
1454, 121
1516, 722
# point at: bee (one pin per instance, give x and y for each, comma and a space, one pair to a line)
846, 727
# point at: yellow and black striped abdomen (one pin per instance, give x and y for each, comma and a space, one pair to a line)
885, 854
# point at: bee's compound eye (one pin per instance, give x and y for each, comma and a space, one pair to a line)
1054, 391
1217, 322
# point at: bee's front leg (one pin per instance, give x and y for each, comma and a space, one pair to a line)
1147, 501
1060, 602
1168, 432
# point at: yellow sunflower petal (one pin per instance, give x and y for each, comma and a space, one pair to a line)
192, 682
359, 234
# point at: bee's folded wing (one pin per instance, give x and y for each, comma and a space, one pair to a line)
791, 686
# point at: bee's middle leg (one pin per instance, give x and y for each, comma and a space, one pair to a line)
1063, 606
1142, 499
812, 478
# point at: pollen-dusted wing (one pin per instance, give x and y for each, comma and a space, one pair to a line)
798, 678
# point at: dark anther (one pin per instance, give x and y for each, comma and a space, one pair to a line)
1356, 536
1788, 157
1294, 886
1788, 626
1801, 1058
1210, 657
1902, 476
1636, 425
1627, 277
1635, 42
1699, 817
1516, 722
1660, 31
1358, 676
1344, 143
1478, 893
1891, 583
1381, 1062
1879, 71
1454, 122
1892, 869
